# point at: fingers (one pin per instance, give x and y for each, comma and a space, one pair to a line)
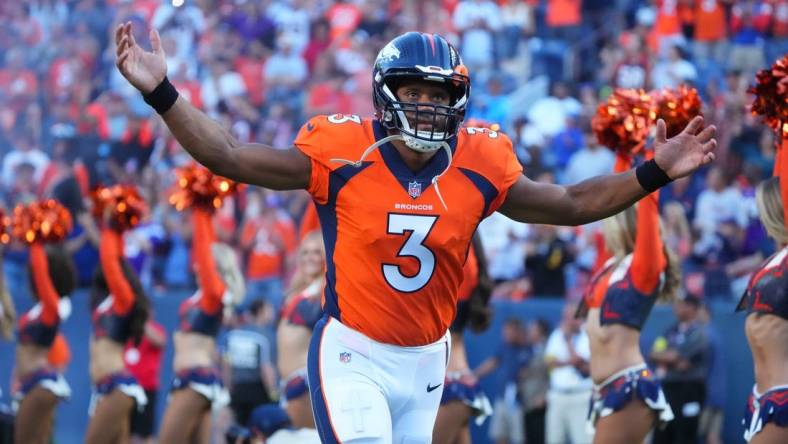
118, 33
130, 34
707, 134
662, 132
708, 158
122, 45
155, 42
694, 126
709, 146
122, 59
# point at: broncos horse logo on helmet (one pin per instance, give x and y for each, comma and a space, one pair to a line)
426, 57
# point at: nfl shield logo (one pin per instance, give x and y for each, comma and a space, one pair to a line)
344, 357
414, 189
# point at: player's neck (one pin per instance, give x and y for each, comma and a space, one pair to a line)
415, 160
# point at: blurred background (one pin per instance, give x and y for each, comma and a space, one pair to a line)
539, 69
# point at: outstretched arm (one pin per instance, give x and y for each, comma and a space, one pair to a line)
210, 282
648, 259
208, 142
604, 196
45, 290
110, 256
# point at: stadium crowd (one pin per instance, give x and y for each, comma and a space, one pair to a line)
540, 68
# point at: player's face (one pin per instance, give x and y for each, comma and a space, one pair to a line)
428, 93
311, 258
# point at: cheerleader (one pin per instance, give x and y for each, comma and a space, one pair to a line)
301, 311
462, 397
40, 386
197, 388
766, 326
120, 310
627, 399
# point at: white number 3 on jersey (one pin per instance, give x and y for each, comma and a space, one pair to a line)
419, 228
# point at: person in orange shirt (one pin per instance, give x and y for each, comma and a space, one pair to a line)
627, 399
667, 27
399, 197
564, 18
40, 385
268, 241
711, 30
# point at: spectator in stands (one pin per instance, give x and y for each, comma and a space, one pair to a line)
567, 356
222, 85
667, 30
249, 352
673, 70
591, 160
502, 240
749, 21
179, 233
718, 202
710, 31
549, 114
26, 150
266, 241
546, 258
477, 21
681, 357
517, 23
285, 74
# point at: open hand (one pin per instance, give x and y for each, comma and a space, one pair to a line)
684, 153
143, 69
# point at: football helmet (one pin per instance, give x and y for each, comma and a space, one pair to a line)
428, 57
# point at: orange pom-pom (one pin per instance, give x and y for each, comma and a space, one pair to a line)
623, 122
771, 95
5, 225
198, 187
45, 221
126, 206
677, 108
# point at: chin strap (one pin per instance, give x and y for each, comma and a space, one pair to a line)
443, 145
446, 148
369, 150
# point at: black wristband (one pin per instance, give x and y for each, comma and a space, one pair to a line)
651, 177
163, 97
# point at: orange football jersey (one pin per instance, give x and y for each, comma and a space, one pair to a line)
395, 254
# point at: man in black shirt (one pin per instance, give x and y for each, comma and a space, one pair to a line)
249, 353
681, 357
